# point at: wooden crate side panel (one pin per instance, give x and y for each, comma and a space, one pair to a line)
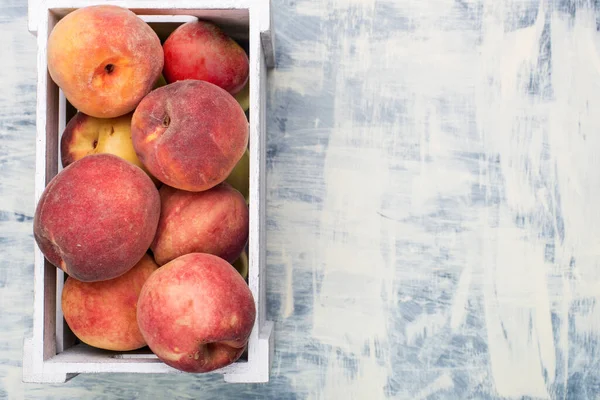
267, 35
46, 167
42, 345
51, 152
255, 209
260, 346
85, 359
262, 167
226, 10
64, 336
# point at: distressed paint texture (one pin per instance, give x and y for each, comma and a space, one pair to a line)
433, 191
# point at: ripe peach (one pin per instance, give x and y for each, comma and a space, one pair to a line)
160, 82
201, 50
105, 59
241, 265
196, 313
189, 134
240, 176
85, 135
214, 221
103, 314
97, 217
243, 96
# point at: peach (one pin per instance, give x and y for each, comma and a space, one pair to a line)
240, 176
85, 135
105, 59
196, 313
160, 82
104, 314
241, 265
189, 134
243, 96
97, 217
201, 50
214, 221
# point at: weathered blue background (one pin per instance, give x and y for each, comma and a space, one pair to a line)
433, 192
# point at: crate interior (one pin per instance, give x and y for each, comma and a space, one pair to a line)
235, 23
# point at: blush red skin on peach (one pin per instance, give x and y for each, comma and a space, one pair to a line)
196, 313
97, 217
189, 134
201, 50
213, 221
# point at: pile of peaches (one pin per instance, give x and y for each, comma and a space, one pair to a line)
149, 216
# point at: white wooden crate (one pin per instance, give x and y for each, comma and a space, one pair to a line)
51, 354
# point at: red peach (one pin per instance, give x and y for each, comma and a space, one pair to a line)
97, 217
201, 50
196, 313
214, 221
189, 134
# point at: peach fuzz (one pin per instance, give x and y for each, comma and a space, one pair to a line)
189, 134
97, 217
214, 221
105, 59
104, 314
201, 50
196, 313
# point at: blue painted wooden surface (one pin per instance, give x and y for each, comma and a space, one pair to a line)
433, 191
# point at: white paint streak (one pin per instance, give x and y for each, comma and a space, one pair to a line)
513, 328
350, 312
517, 313
288, 307
302, 80
573, 133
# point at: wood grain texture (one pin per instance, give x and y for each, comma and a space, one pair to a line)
432, 191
